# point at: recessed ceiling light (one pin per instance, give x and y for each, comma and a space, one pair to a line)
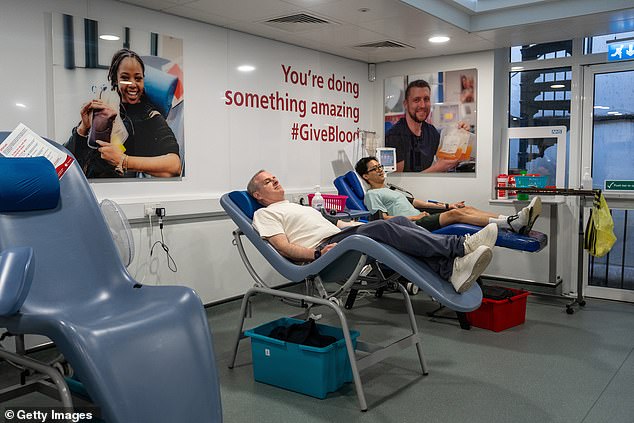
109, 37
364, 9
602, 107
246, 68
20, 105
439, 39
615, 113
555, 86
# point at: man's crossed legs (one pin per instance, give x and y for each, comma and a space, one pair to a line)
461, 260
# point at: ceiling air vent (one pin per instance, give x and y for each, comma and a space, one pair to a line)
298, 22
383, 44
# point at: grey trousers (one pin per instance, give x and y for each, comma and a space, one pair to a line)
438, 251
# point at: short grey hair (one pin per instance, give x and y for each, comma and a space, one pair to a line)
252, 186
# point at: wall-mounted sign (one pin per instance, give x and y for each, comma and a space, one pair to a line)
618, 185
619, 50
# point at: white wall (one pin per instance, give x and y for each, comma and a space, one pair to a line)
476, 189
225, 145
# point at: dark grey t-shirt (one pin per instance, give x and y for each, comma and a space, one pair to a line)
417, 152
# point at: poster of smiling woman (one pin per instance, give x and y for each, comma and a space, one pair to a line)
118, 96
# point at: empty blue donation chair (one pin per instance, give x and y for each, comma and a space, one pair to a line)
350, 185
143, 353
342, 264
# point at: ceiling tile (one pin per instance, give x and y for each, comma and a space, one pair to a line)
199, 15
391, 20
245, 10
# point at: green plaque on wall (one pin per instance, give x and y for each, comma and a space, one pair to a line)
619, 185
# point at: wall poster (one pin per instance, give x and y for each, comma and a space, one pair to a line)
436, 129
125, 122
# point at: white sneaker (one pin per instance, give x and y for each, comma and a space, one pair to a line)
486, 236
467, 269
523, 221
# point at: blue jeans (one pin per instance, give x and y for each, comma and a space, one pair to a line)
438, 251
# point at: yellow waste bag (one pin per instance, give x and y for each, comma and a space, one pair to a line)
599, 236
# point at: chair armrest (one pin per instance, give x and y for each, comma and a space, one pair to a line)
16, 275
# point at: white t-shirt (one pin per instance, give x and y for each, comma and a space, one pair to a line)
302, 225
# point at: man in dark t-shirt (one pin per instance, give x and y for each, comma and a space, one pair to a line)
415, 152
415, 140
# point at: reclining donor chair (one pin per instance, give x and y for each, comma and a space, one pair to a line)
350, 185
342, 268
143, 353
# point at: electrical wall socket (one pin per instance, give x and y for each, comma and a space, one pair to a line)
150, 209
297, 197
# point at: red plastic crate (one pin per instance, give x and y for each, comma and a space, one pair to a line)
331, 201
497, 315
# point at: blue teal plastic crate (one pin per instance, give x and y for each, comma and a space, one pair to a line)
300, 368
531, 181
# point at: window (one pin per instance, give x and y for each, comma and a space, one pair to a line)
612, 128
598, 44
542, 51
540, 97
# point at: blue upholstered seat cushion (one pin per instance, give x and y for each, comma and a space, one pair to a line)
28, 183
353, 180
350, 185
245, 202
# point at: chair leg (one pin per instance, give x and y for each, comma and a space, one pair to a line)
240, 335
462, 319
52, 373
352, 296
436, 310
460, 316
313, 300
412, 321
351, 356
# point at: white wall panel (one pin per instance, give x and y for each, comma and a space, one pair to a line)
262, 138
224, 145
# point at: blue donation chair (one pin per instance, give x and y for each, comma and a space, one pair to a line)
143, 353
342, 266
349, 184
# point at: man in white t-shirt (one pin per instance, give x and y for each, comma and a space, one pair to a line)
301, 233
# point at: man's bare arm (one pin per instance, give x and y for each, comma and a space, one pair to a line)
341, 224
420, 204
384, 216
291, 251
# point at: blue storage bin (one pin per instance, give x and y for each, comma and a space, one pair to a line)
531, 181
300, 368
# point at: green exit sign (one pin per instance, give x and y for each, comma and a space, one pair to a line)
619, 185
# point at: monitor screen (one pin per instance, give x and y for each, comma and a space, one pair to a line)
387, 157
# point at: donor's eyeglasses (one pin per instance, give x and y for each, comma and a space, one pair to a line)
378, 167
